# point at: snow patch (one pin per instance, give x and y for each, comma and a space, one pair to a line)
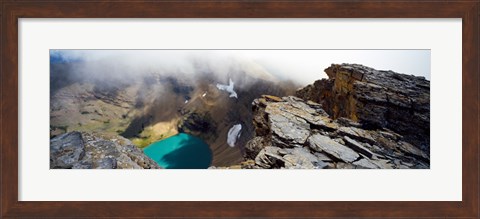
204, 94
234, 134
228, 88
186, 101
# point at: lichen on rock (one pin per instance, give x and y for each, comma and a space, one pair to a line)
82, 150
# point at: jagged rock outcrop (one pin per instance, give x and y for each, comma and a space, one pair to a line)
376, 99
293, 133
81, 150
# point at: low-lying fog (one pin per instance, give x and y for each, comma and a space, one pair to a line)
301, 66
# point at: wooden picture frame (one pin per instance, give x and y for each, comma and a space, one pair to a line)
468, 11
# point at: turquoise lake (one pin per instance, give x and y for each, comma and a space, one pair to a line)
181, 151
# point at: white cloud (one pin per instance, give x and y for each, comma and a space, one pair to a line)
302, 66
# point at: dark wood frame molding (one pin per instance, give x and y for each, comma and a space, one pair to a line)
12, 10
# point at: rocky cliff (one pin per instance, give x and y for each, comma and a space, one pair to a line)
358, 118
81, 150
376, 99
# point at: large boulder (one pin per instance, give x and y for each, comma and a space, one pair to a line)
81, 150
66, 150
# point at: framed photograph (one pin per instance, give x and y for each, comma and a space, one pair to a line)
239, 109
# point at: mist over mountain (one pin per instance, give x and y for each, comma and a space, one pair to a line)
148, 96
244, 109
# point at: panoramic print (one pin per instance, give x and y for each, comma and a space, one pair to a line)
239, 109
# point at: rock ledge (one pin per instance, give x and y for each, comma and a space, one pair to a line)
81, 150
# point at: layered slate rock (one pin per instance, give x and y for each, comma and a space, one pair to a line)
80, 150
376, 99
290, 158
295, 133
357, 147
325, 144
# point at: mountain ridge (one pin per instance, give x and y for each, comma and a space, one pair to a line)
359, 117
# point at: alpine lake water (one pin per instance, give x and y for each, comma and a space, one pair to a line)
181, 151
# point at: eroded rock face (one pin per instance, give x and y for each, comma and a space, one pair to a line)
80, 150
294, 133
330, 147
66, 150
376, 99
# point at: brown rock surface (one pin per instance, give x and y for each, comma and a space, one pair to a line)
359, 118
289, 135
376, 99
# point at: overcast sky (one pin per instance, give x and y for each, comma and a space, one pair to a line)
313, 62
303, 66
